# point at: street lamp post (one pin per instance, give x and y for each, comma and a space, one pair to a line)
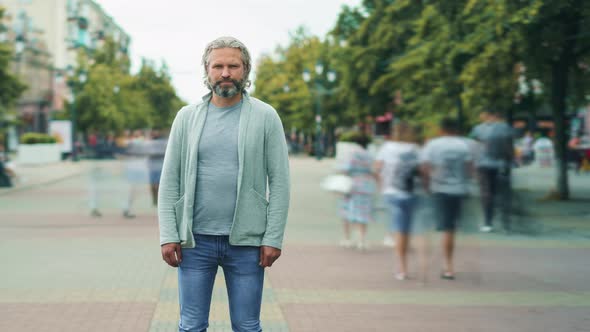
73, 115
320, 90
19, 49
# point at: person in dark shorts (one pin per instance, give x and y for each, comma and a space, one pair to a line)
446, 167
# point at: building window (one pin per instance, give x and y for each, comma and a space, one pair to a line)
83, 38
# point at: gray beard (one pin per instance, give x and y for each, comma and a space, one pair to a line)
230, 92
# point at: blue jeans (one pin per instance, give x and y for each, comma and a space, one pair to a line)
402, 213
244, 280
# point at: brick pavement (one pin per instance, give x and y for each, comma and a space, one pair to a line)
66, 271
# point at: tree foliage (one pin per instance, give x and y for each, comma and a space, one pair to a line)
113, 99
155, 84
444, 58
557, 49
10, 86
279, 81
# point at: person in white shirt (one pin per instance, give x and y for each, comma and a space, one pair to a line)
544, 153
397, 166
447, 167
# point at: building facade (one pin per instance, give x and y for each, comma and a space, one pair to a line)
67, 26
48, 34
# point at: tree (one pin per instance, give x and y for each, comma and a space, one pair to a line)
112, 99
94, 103
156, 85
10, 86
461, 57
283, 70
367, 38
558, 51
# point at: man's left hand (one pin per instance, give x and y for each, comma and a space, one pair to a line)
268, 255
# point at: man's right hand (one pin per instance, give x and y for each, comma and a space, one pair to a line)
172, 254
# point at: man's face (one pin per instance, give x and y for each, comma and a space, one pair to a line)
225, 72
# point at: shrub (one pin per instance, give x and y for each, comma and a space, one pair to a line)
37, 138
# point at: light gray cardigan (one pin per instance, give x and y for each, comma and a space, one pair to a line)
263, 159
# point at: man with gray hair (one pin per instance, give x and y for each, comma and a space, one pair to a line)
214, 209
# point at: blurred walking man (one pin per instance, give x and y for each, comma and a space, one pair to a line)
213, 208
494, 167
447, 165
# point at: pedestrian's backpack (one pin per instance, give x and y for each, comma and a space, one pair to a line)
497, 142
405, 171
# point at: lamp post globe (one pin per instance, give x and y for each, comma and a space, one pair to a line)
331, 76
306, 76
19, 46
319, 68
82, 78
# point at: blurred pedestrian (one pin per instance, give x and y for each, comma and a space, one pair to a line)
132, 152
575, 153
544, 153
96, 175
224, 192
6, 174
356, 207
136, 170
528, 154
494, 167
92, 140
446, 167
110, 146
397, 166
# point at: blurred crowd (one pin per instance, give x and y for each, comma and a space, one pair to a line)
142, 156
424, 183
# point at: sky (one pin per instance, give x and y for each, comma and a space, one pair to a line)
177, 31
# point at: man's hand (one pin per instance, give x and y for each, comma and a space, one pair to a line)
172, 254
268, 255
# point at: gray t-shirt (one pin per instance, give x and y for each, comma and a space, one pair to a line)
217, 174
400, 162
497, 144
449, 157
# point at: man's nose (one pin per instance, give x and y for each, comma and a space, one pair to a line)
225, 73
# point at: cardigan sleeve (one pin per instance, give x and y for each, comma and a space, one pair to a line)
169, 191
277, 164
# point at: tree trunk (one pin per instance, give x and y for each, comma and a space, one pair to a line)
560, 72
510, 115
558, 104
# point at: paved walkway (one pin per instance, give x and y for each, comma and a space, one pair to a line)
66, 271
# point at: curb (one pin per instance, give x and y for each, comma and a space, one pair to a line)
38, 184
